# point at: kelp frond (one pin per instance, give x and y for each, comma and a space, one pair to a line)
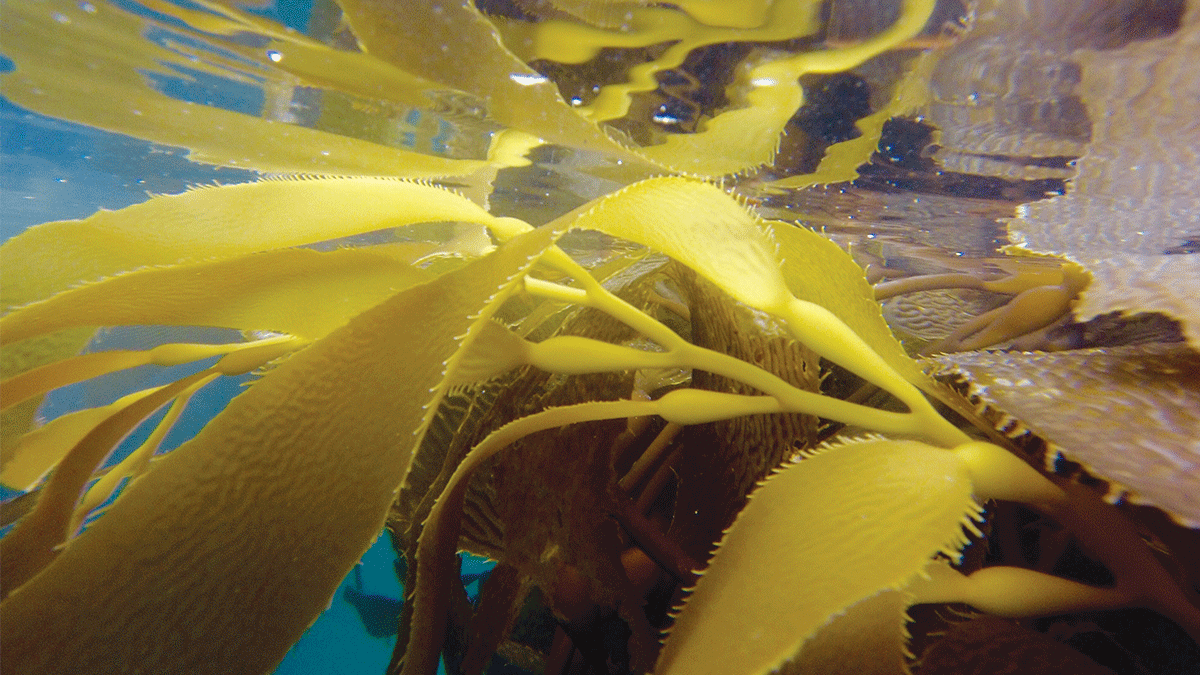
616, 395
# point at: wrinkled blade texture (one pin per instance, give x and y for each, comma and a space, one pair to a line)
1129, 414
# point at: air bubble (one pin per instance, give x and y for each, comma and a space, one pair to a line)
274, 56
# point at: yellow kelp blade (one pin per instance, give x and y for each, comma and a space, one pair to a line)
702, 227
797, 555
819, 271
90, 69
300, 292
202, 224
27, 460
240, 537
495, 351
217, 222
32, 543
38, 451
133, 464
16, 359
434, 39
868, 639
47, 378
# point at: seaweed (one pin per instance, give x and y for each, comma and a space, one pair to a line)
685, 431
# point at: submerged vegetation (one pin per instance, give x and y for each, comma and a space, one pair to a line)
531, 279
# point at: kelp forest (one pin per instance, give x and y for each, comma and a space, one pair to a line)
743, 336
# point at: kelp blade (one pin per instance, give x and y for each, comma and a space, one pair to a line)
796, 556
868, 639
1130, 415
242, 535
699, 225
300, 292
86, 366
201, 224
36, 539
819, 271
26, 461
38, 451
218, 222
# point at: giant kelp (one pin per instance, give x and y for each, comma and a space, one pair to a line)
589, 398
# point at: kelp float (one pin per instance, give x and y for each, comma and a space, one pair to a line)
585, 390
